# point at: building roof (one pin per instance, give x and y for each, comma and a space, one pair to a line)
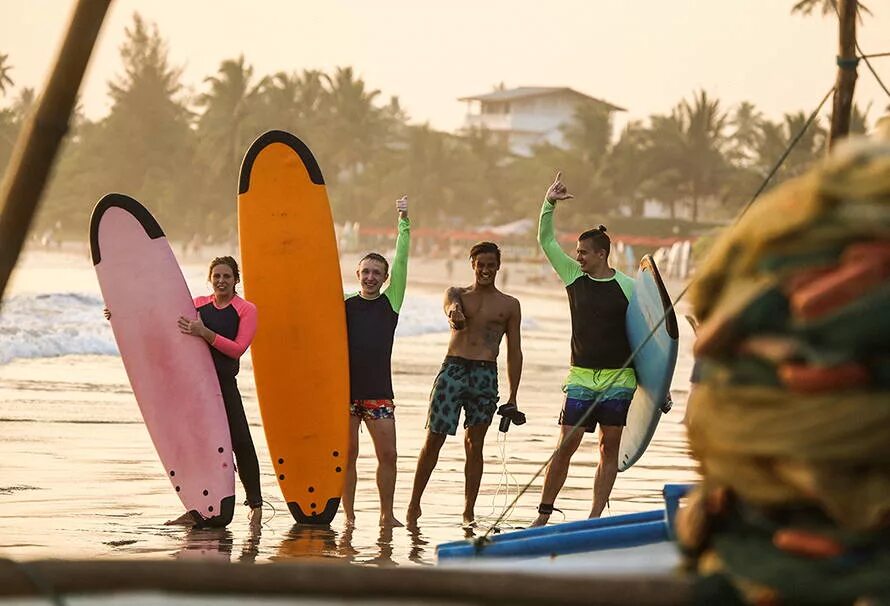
524, 92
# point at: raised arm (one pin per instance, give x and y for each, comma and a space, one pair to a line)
398, 273
566, 267
514, 351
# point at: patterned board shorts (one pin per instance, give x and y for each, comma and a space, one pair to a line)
373, 410
610, 406
471, 385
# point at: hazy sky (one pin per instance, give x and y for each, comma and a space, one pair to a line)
644, 55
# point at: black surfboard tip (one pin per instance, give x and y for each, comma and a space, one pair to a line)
131, 205
670, 321
278, 136
322, 518
221, 520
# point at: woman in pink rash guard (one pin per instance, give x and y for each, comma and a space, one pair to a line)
228, 323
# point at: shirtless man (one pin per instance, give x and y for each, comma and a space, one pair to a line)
479, 315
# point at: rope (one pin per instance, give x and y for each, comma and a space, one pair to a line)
582, 422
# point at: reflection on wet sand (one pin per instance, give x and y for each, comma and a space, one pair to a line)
207, 543
309, 542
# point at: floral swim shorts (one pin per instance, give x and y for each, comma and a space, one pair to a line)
373, 410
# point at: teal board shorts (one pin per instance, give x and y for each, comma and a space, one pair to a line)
471, 385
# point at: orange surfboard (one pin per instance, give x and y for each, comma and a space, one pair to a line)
291, 273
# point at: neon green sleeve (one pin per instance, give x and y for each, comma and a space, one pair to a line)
398, 273
626, 283
566, 267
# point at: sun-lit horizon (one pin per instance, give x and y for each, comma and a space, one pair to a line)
647, 59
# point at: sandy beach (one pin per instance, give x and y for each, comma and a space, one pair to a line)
80, 478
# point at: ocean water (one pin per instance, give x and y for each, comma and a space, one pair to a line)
80, 478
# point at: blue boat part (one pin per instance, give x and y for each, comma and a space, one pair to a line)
597, 539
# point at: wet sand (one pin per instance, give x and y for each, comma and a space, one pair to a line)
80, 478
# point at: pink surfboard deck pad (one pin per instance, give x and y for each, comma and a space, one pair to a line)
172, 374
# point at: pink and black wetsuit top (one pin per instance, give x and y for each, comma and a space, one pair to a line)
235, 327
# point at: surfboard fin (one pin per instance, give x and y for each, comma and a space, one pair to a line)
322, 518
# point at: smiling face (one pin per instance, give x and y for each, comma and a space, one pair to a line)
485, 268
591, 260
371, 273
222, 278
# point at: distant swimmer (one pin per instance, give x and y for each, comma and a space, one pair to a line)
371, 319
479, 316
597, 388
228, 324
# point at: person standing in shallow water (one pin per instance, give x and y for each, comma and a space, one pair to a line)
479, 316
371, 319
228, 324
597, 385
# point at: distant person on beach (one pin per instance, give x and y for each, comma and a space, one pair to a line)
479, 316
371, 319
228, 324
597, 389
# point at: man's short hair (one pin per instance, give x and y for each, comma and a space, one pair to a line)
598, 238
376, 257
485, 247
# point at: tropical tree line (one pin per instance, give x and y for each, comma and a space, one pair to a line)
180, 153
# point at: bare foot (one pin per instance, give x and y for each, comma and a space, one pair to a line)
255, 517
413, 515
185, 519
350, 522
469, 520
541, 520
390, 521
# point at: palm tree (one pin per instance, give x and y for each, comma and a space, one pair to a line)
356, 126
297, 102
227, 106
826, 7
689, 147
777, 136
625, 172
5, 79
745, 121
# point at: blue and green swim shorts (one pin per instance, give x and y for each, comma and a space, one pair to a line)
608, 392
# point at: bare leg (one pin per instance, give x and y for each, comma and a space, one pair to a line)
351, 478
474, 439
559, 468
426, 462
610, 440
383, 432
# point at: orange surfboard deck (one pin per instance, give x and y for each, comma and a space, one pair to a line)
291, 272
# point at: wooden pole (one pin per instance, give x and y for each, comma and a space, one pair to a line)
335, 580
846, 71
38, 142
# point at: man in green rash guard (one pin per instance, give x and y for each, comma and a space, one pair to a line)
598, 300
371, 318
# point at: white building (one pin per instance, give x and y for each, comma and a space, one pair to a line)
528, 115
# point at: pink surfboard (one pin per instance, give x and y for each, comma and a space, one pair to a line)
172, 374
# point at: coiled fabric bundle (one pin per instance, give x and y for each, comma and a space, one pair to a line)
791, 419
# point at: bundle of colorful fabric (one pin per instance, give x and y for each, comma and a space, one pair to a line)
791, 420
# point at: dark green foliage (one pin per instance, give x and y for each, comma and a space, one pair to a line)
181, 155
